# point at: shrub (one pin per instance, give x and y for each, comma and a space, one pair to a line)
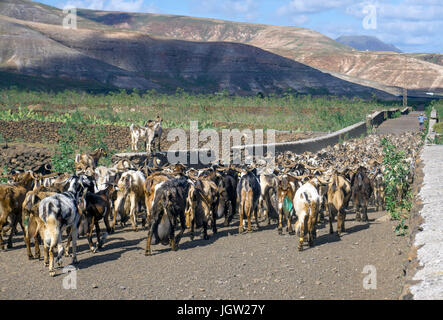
438, 127
396, 179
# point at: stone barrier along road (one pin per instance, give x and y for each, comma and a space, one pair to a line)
430, 254
315, 144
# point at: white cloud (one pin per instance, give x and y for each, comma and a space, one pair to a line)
299, 20
412, 23
247, 9
107, 5
424, 11
85, 4
131, 6
313, 6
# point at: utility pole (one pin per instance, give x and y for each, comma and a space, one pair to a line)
405, 97
405, 90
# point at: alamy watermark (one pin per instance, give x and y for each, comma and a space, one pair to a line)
70, 279
370, 20
70, 17
227, 147
370, 281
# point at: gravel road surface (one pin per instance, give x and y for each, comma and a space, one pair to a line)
258, 265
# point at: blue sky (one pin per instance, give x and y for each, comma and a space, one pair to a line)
411, 25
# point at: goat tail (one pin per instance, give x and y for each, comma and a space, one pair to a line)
306, 197
334, 184
272, 213
246, 185
51, 232
360, 180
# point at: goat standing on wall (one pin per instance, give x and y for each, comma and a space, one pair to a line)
152, 130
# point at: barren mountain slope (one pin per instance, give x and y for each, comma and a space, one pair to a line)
34, 11
436, 58
303, 45
369, 43
28, 51
130, 59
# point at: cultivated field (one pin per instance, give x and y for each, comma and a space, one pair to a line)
288, 112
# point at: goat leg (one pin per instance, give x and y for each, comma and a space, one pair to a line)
91, 221
148, 241
13, 230
214, 219
256, 218
365, 212
68, 242
74, 235
51, 262
2, 222
183, 229
106, 220
229, 214
280, 223
100, 239
205, 230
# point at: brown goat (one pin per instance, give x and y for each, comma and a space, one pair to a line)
339, 193
361, 192
31, 219
89, 160
287, 187
11, 200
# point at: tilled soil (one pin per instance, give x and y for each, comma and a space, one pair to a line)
257, 265
116, 137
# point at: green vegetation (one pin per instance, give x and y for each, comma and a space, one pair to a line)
396, 114
3, 175
289, 111
398, 195
438, 127
76, 125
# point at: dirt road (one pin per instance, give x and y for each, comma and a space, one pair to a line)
259, 265
399, 125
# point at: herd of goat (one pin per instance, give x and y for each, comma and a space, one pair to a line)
296, 190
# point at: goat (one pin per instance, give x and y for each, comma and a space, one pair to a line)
11, 200
339, 193
361, 193
307, 202
210, 190
248, 194
198, 211
155, 132
379, 190
58, 212
92, 208
131, 185
286, 189
30, 218
150, 186
88, 160
105, 176
169, 205
227, 191
269, 187
149, 132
